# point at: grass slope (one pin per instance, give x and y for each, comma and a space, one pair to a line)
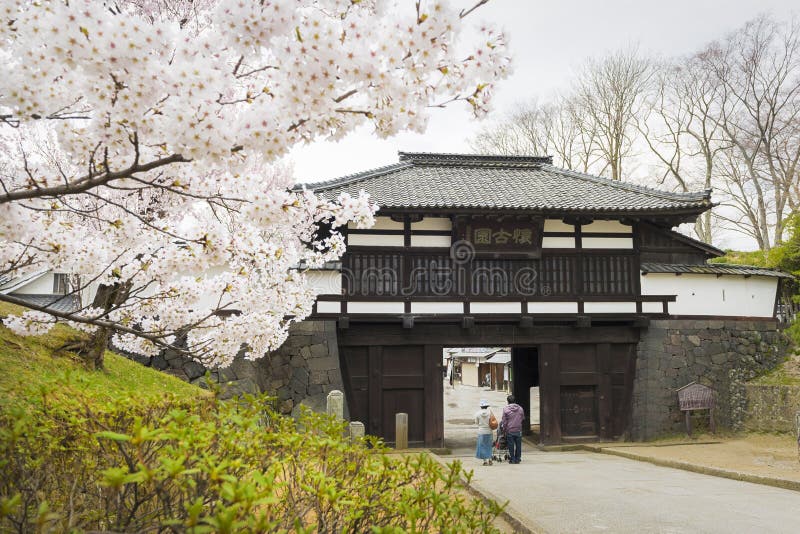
33, 367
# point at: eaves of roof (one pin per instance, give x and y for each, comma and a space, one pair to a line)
712, 268
16, 283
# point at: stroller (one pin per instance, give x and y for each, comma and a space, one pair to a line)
500, 447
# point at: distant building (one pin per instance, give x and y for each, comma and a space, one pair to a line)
54, 290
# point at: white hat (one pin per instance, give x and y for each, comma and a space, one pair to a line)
484, 403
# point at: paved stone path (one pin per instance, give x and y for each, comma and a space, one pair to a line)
567, 492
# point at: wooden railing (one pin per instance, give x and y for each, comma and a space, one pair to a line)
425, 273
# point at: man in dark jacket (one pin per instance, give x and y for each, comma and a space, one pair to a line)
511, 423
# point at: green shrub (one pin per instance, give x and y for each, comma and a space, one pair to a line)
213, 466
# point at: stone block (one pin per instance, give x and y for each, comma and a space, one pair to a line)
319, 377
159, 362
694, 340
237, 388
676, 362
319, 351
193, 369
275, 385
334, 376
719, 358
296, 340
300, 374
323, 364
285, 407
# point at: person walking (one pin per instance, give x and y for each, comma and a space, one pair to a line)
511, 423
483, 450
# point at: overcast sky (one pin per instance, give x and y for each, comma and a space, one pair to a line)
549, 41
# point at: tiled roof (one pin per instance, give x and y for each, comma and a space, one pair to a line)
422, 180
711, 268
61, 303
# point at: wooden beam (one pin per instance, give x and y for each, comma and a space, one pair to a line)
482, 334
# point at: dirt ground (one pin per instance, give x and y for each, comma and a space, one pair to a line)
764, 455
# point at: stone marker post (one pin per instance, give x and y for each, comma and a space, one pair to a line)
356, 430
401, 430
336, 404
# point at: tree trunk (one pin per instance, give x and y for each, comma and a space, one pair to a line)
107, 298
96, 348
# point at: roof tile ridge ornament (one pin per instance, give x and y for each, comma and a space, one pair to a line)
352, 178
477, 160
693, 195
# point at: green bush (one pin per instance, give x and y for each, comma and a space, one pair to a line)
213, 466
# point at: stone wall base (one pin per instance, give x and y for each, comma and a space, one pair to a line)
300, 373
723, 354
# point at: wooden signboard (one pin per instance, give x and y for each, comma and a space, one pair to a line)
510, 236
694, 396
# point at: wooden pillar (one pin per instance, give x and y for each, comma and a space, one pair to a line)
374, 424
604, 392
550, 394
434, 395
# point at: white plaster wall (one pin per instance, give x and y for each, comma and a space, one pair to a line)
552, 307
558, 242
556, 225
607, 227
705, 294
375, 240
433, 223
469, 374
325, 282
654, 307
495, 307
607, 242
324, 306
609, 307
382, 223
430, 241
41, 286
437, 307
375, 307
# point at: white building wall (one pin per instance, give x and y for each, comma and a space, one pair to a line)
325, 282
469, 374
706, 294
41, 286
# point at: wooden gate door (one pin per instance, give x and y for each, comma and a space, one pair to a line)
578, 411
586, 390
382, 381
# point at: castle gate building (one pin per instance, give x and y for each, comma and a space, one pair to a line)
607, 309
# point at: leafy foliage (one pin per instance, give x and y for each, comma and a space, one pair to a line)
217, 467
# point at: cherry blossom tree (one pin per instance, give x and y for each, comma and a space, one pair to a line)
142, 145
